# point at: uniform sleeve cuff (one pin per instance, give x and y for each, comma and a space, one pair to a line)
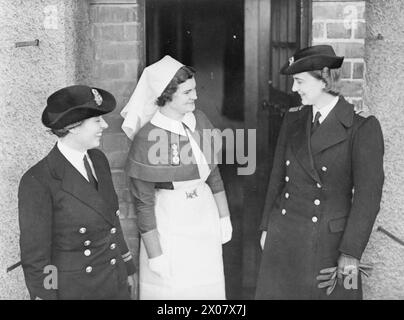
130, 265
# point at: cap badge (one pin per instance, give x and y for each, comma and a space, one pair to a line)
291, 60
97, 97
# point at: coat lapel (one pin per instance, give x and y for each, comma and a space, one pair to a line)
76, 185
300, 140
333, 130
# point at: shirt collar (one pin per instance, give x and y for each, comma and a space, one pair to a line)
72, 155
175, 126
326, 109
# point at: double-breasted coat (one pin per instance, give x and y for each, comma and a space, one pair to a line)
322, 200
65, 222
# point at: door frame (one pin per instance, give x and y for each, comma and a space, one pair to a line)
257, 74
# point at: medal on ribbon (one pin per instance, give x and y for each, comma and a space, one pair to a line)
175, 156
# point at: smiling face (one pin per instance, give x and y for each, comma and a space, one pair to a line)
309, 88
183, 100
88, 134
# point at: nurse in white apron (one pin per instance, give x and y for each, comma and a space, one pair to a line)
180, 203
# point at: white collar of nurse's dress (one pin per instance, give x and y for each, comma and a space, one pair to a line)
174, 126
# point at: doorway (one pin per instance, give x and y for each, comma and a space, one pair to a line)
236, 47
209, 36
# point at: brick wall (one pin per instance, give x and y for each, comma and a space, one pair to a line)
342, 25
118, 57
28, 75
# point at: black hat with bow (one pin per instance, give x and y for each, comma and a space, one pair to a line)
312, 58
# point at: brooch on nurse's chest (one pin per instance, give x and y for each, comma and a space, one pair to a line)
175, 155
191, 195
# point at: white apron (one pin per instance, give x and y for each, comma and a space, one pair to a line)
188, 223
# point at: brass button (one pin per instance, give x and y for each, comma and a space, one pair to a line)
283, 211
87, 252
324, 169
82, 230
287, 195
113, 230
87, 243
318, 185
287, 179
89, 269
314, 219
117, 213
317, 202
287, 162
112, 246
113, 261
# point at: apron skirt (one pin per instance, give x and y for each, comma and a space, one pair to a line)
189, 228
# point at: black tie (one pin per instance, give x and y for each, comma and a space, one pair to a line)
90, 175
316, 122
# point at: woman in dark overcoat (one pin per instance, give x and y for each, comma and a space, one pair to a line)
325, 187
71, 240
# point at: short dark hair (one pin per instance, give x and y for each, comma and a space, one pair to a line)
60, 133
182, 75
331, 79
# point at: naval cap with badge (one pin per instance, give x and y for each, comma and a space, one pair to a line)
76, 103
311, 59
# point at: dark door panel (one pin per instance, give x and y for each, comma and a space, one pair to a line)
274, 29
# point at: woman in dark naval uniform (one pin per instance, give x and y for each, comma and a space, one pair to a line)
72, 245
325, 187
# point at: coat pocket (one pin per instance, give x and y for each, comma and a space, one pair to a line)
337, 225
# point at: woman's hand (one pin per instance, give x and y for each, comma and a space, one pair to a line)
262, 240
158, 261
224, 214
346, 265
226, 229
160, 265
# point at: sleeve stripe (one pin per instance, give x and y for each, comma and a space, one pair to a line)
127, 258
127, 254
